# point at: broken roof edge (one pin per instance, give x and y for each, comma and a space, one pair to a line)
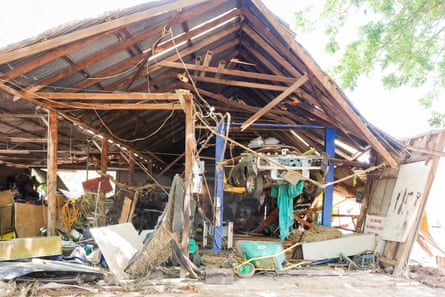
333, 88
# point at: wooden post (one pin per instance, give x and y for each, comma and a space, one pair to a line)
52, 172
131, 168
186, 100
104, 155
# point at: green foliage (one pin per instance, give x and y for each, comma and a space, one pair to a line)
404, 39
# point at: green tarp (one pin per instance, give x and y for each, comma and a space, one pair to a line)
285, 195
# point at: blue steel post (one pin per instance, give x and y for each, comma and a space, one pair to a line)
328, 195
219, 189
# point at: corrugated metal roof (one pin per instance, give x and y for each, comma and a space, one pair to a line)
124, 50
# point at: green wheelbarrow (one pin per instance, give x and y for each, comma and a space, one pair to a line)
262, 256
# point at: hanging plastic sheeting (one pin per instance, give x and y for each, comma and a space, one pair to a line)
285, 195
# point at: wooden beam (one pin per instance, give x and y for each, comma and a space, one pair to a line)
425, 151
274, 102
170, 165
14, 152
232, 72
22, 115
104, 155
105, 96
116, 106
239, 83
51, 179
120, 22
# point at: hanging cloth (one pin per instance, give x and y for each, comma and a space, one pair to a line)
285, 195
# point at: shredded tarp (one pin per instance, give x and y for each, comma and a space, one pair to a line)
285, 195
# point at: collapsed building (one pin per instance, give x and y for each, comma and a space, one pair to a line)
213, 118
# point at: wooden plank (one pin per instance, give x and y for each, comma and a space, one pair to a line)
240, 83
232, 72
115, 106
93, 30
125, 212
334, 248
106, 96
23, 115
29, 218
274, 102
24, 248
178, 206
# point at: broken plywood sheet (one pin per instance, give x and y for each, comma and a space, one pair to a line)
405, 201
334, 248
118, 243
29, 218
23, 248
126, 209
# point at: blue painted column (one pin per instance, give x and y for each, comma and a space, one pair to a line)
328, 195
219, 189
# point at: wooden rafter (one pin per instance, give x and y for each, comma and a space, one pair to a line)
93, 30
105, 96
274, 102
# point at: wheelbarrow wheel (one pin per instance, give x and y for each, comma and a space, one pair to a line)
245, 270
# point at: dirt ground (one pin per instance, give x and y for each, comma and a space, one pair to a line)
323, 281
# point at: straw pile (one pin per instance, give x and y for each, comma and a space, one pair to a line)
158, 249
316, 233
92, 205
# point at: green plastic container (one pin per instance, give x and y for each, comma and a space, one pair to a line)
192, 246
272, 252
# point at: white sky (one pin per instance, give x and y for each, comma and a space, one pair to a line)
396, 112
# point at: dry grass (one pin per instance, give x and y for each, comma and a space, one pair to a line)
316, 233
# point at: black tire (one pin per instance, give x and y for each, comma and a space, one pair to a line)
254, 185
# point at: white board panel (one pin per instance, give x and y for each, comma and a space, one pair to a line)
118, 243
334, 248
405, 201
